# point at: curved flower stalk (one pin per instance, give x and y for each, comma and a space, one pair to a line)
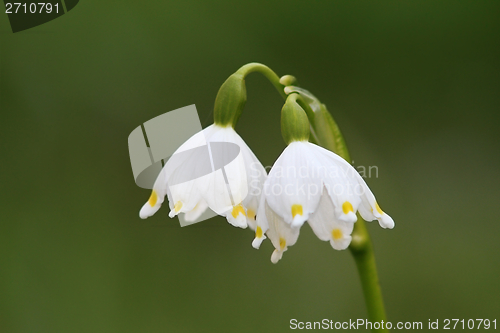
310, 183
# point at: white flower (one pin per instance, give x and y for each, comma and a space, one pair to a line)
213, 169
310, 183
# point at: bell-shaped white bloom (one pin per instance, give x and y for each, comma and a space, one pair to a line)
310, 183
213, 169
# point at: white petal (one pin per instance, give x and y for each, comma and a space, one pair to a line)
235, 168
237, 178
276, 256
256, 176
365, 211
160, 187
237, 216
340, 181
342, 243
386, 221
257, 241
327, 227
281, 234
250, 191
184, 196
367, 206
293, 187
369, 211
157, 197
147, 209
215, 192
262, 224
252, 206
196, 212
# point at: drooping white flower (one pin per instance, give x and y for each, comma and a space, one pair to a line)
310, 183
213, 169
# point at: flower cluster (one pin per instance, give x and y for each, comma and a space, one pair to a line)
306, 183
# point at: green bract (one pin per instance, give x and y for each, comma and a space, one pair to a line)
294, 122
230, 101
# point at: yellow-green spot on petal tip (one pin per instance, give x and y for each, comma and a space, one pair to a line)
282, 243
296, 210
337, 234
153, 199
347, 207
258, 232
380, 211
237, 210
178, 206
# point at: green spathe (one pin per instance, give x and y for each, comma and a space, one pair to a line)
230, 101
294, 122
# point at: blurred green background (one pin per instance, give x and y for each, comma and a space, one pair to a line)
415, 87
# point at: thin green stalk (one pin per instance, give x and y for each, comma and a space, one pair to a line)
361, 246
362, 250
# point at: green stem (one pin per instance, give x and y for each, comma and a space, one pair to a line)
362, 250
361, 246
267, 72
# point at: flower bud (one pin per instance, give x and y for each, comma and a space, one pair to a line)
294, 122
230, 101
288, 80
